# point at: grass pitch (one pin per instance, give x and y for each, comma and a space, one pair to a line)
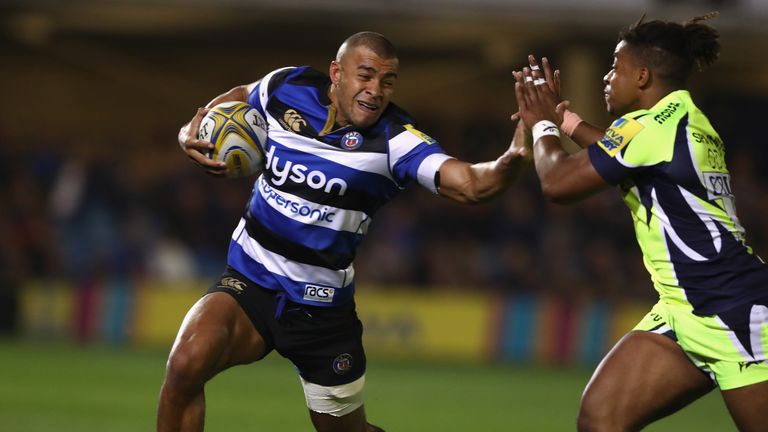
65, 388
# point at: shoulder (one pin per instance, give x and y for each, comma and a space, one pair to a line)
396, 121
668, 112
302, 76
394, 115
623, 131
650, 130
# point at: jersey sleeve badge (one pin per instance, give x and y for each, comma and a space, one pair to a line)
619, 134
422, 136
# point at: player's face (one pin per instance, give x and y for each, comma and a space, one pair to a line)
363, 85
621, 86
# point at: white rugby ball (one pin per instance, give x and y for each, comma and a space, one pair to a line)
239, 134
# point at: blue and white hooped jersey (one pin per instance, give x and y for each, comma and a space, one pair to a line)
312, 205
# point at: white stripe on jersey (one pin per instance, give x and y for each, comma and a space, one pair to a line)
264, 86
734, 339
429, 167
666, 227
663, 329
333, 218
401, 144
406, 141
705, 216
292, 270
361, 161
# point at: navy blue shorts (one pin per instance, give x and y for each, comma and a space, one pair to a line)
324, 343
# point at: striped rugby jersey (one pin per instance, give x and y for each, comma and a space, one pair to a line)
314, 201
670, 164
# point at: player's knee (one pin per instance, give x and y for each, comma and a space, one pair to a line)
337, 400
186, 368
586, 423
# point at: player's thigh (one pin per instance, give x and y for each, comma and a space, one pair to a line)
749, 406
646, 376
743, 376
215, 334
352, 422
325, 345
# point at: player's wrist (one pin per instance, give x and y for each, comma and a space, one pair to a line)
544, 128
571, 121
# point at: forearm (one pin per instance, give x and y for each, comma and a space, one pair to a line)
490, 179
581, 132
587, 134
238, 94
548, 156
565, 178
480, 182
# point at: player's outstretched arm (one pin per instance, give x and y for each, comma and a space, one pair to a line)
564, 178
477, 183
196, 149
581, 132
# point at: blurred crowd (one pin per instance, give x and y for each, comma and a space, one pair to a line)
139, 209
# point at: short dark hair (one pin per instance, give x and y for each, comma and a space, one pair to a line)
376, 42
672, 49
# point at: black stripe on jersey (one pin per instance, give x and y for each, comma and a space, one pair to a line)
278, 79
372, 142
351, 200
298, 123
682, 162
292, 251
720, 284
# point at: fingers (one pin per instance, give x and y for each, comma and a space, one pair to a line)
531, 86
204, 161
552, 82
198, 145
198, 150
536, 73
520, 92
198, 118
544, 74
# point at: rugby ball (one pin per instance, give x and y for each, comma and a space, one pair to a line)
239, 134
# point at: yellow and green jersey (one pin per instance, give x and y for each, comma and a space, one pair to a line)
670, 164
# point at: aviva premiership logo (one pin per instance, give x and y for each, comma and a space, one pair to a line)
233, 284
422, 136
619, 135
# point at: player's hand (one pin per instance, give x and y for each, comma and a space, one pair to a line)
521, 149
196, 149
545, 71
536, 99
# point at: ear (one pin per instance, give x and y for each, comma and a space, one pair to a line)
643, 77
334, 71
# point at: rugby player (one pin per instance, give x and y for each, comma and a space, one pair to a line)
710, 325
337, 151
